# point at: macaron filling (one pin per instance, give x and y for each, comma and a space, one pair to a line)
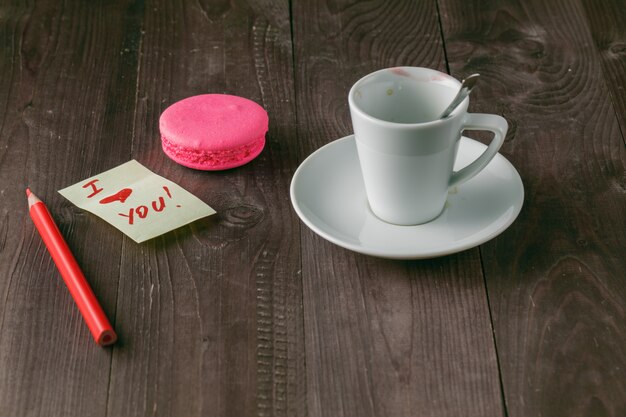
218, 159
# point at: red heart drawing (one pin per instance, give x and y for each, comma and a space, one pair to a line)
120, 196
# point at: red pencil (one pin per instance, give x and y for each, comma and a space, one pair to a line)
85, 299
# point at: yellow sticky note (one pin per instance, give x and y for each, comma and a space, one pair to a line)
137, 201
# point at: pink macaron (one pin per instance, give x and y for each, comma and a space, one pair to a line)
213, 131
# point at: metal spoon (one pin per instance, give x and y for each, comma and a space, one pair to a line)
466, 87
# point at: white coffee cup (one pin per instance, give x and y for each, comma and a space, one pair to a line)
407, 156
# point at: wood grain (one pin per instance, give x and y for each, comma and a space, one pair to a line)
384, 338
607, 23
62, 90
555, 278
211, 314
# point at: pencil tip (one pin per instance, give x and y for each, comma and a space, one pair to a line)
28, 193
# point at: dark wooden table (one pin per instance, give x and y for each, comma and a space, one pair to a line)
249, 312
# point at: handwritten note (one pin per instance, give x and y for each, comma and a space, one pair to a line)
138, 202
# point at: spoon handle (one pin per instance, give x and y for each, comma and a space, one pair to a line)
466, 87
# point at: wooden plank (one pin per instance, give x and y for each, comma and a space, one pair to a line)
210, 315
555, 278
67, 97
383, 337
607, 22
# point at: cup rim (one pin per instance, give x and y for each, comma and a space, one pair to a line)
461, 108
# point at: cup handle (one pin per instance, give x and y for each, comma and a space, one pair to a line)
478, 121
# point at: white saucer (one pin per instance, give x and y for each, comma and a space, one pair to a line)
328, 194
